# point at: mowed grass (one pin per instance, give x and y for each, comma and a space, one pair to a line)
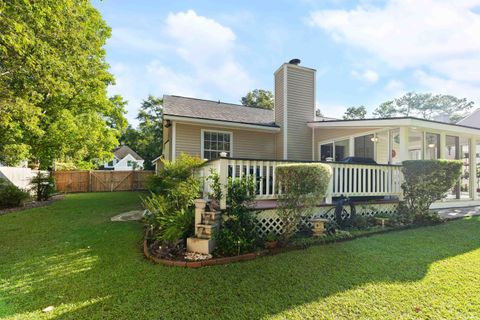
69, 255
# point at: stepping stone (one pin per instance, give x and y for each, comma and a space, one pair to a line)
135, 215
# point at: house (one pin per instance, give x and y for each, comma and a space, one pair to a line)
125, 159
254, 141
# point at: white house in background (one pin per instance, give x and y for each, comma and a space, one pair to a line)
125, 160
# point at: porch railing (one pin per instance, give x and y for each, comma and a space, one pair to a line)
347, 179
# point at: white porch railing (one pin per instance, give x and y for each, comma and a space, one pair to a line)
347, 179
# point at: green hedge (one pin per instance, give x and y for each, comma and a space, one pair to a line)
303, 186
304, 178
427, 181
11, 196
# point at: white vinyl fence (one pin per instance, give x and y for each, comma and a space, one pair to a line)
20, 177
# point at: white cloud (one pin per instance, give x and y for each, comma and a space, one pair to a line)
209, 48
331, 110
368, 76
395, 88
407, 33
439, 37
443, 85
189, 55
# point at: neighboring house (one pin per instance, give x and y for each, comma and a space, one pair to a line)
125, 160
258, 138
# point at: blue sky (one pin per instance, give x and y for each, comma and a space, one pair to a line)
365, 52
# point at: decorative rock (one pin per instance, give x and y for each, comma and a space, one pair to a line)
195, 256
48, 309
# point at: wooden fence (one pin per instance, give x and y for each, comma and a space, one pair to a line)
101, 180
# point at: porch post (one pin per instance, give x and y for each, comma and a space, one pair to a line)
351, 147
443, 145
223, 173
472, 161
404, 144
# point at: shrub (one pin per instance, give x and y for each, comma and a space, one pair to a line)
171, 202
10, 195
43, 186
171, 222
427, 181
237, 233
174, 172
303, 186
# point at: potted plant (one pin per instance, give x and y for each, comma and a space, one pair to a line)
271, 240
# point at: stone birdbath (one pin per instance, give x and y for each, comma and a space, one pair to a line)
318, 226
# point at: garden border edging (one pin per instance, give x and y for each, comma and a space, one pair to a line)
195, 264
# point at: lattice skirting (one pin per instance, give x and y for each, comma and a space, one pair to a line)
268, 220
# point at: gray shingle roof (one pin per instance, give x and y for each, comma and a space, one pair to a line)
213, 110
121, 152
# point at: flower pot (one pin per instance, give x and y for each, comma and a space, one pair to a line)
271, 245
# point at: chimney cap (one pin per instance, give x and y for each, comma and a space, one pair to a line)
295, 61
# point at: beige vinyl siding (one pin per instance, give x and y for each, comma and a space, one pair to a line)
279, 109
300, 110
246, 143
327, 135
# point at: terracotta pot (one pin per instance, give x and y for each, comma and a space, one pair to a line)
271, 245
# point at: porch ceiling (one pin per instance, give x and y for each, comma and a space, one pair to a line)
396, 122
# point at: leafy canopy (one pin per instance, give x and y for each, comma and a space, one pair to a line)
355, 113
147, 139
425, 106
259, 98
53, 83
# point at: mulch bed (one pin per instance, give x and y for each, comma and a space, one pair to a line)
265, 252
196, 264
32, 204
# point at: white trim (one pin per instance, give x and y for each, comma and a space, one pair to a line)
285, 112
406, 122
356, 135
220, 123
313, 144
202, 131
174, 140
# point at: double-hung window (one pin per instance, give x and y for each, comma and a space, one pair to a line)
215, 142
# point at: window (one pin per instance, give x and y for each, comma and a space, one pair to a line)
129, 163
432, 146
326, 152
215, 142
364, 146
341, 150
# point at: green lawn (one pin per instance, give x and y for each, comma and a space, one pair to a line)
71, 256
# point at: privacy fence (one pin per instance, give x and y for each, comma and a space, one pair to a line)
101, 180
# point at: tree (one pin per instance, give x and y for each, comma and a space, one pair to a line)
355, 113
53, 83
259, 98
425, 106
318, 113
147, 139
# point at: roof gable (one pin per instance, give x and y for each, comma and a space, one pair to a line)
122, 151
216, 110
